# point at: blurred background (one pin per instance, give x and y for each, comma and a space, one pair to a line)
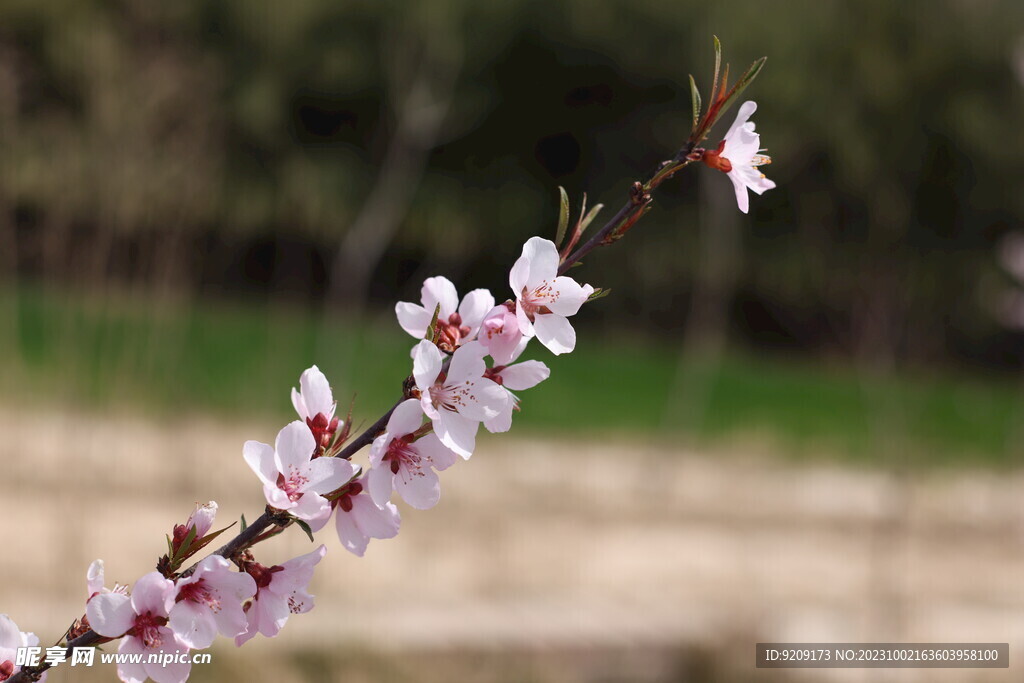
803, 424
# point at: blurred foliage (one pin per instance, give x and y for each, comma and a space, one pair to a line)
196, 144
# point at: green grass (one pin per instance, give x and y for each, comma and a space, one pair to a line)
232, 359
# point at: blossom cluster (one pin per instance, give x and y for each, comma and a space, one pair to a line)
466, 364
452, 391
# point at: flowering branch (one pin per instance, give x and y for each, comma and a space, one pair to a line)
308, 477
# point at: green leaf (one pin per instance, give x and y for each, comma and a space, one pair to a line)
205, 540
746, 79
589, 218
305, 527
433, 324
718, 64
599, 293
183, 549
695, 99
563, 217
244, 525
170, 546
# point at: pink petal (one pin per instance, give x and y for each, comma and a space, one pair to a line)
260, 458
300, 405
298, 571
93, 579
354, 540
501, 422
525, 326
457, 432
554, 332
746, 110
129, 672
413, 319
379, 483
293, 448
110, 614
440, 456
374, 521
193, 624
316, 393
519, 275
525, 375
406, 419
420, 489
172, 672
327, 474
311, 506
153, 593
742, 199
569, 295
426, 364
543, 258
439, 290
467, 363
474, 307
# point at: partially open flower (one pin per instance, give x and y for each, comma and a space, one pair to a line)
739, 156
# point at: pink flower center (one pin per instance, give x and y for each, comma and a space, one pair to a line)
294, 485
451, 332
401, 453
451, 397
6, 670
536, 301
147, 629
200, 593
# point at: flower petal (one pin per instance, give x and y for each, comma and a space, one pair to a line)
542, 255
439, 290
405, 419
426, 364
568, 296
440, 456
316, 393
153, 593
110, 614
374, 521
457, 432
525, 375
193, 624
293, 448
420, 489
474, 307
746, 110
260, 458
379, 483
414, 319
554, 332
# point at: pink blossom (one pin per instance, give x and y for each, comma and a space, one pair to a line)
739, 157
545, 299
400, 461
500, 334
280, 593
293, 479
142, 617
210, 601
456, 326
459, 400
315, 404
201, 519
519, 377
357, 518
10, 640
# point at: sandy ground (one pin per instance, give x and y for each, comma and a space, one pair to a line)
543, 546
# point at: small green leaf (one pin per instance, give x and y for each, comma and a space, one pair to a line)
695, 99
589, 218
244, 525
563, 216
746, 79
433, 324
170, 546
305, 527
599, 293
718, 64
